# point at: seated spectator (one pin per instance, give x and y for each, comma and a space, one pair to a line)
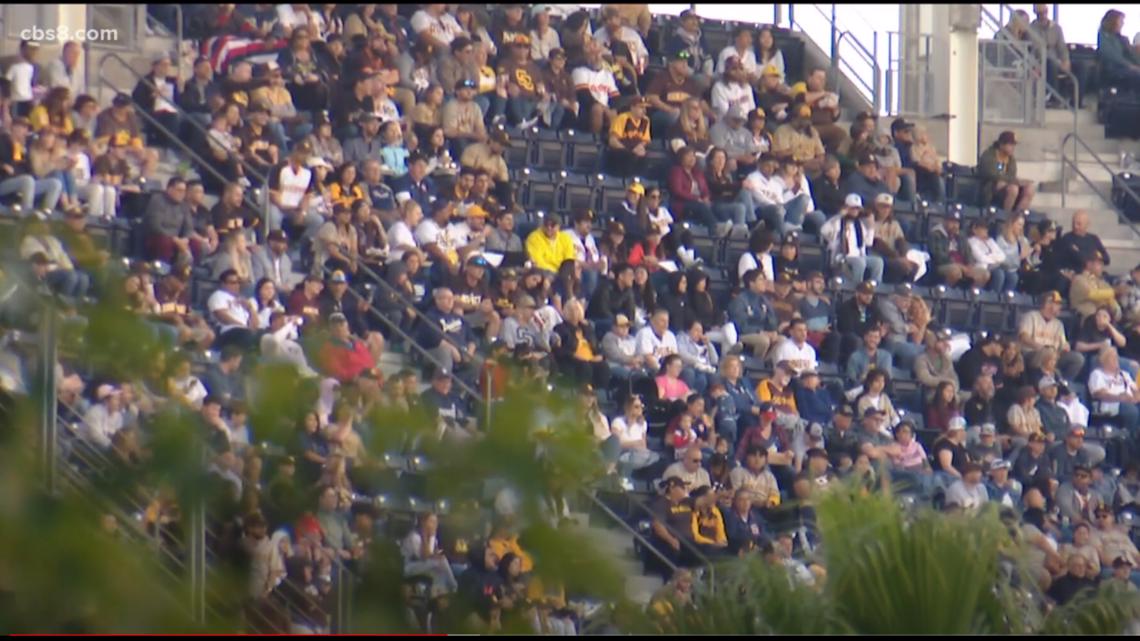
596, 87
670, 387
1119, 61
949, 253
688, 468
1023, 418
548, 246
798, 140
691, 129
628, 141
998, 169
909, 461
1111, 539
1074, 452
575, 353
813, 401
867, 180
874, 396
753, 315
1114, 391
613, 30
935, 366
223, 379
672, 519
756, 479
1097, 332
733, 92
795, 350
1040, 329
423, 555
968, 492
949, 453
741, 48
235, 314
825, 190
689, 194
104, 419
1090, 291
1076, 247
344, 356
698, 355
797, 196
986, 255
774, 98
825, 110
918, 155
630, 428
1075, 498
16, 175
766, 189
867, 357
850, 237
61, 276
943, 408
120, 122
445, 334
708, 523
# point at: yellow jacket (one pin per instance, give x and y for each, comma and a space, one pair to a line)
547, 254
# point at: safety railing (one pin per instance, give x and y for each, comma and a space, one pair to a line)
1072, 164
261, 205
629, 529
909, 79
862, 67
157, 26
1011, 84
995, 24
399, 331
686, 543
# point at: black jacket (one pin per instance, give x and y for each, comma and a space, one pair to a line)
849, 321
610, 301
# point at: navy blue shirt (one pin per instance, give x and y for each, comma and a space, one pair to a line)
454, 328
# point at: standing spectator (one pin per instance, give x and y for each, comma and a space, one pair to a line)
22, 76
997, 167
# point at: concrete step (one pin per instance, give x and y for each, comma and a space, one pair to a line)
1065, 117
1124, 255
640, 589
1073, 201
1047, 170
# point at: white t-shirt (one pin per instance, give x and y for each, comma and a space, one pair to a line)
399, 235
630, 38
986, 252
293, 185
801, 358
20, 75
765, 190
627, 433
726, 95
748, 262
600, 83
444, 28
649, 343
1118, 383
235, 306
584, 249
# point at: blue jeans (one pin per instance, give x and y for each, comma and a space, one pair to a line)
557, 115
904, 352
519, 109
590, 280
1129, 418
662, 121
69, 282
492, 104
277, 133
779, 217
737, 212
861, 268
696, 380
700, 213
997, 280
66, 180
29, 189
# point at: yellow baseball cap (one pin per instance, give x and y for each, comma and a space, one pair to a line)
798, 88
771, 70
476, 211
637, 188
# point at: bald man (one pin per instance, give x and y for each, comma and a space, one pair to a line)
1079, 245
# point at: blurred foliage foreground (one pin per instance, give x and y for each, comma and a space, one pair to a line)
889, 569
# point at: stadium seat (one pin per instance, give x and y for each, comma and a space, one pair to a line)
577, 192
584, 150
549, 151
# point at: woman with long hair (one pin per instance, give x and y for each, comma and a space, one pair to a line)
692, 130
1118, 60
729, 201
1016, 247
648, 252
689, 193
704, 308
53, 113
268, 302
644, 294
943, 406
567, 285
670, 386
767, 53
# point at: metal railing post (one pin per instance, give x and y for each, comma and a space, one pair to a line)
48, 395
878, 83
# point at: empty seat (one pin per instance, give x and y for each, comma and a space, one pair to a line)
577, 192
584, 151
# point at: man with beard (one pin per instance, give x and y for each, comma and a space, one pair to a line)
800, 141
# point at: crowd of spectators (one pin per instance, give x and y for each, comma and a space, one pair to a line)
380, 137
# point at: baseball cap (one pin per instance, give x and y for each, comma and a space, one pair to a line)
1052, 297
784, 278
508, 273
637, 188
803, 111
501, 136
521, 40
738, 112
440, 373
1000, 464
1007, 138
105, 390
465, 83
872, 412
622, 320
901, 124
476, 211
758, 113
121, 100
526, 300
845, 410
478, 261
1046, 381
853, 200
884, 199
1077, 430
815, 430
278, 236
956, 423
733, 62
798, 88
1096, 256
671, 482
1121, 562
770, 70
868, 159
865, 287
338, 277
988, 428
337, 318
680, 54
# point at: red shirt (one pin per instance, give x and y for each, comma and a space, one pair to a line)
346, 361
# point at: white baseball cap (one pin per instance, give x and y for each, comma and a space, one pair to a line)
853, 200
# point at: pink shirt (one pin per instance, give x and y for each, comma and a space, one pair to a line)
912, 456
671, 389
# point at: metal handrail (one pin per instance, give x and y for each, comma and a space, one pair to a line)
868, 57
263, 206
408, 340
1066, 162
685, 542
1048, 55
645, 543
177, 33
